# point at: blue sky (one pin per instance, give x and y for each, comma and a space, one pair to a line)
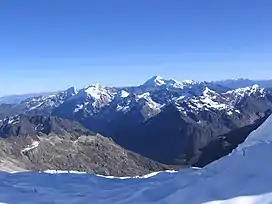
54, 44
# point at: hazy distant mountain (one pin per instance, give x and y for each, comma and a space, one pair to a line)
16, 99
239, 83
179, 118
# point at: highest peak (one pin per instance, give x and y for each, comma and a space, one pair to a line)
92, 87
155, 81
71, 91
157, 78
96, 91
158, 81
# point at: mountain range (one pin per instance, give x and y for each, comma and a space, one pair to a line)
165, 120
229, 83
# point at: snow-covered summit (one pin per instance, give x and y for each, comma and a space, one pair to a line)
124, 94
250, 90
158, 81
71, 91
96, 91
155, 81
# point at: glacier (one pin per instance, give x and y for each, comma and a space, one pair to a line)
244, 176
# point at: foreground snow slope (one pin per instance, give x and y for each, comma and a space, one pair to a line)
242, 177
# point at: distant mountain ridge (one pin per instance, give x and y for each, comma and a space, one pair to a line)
156, 81
239, 83
16, 99
179, 117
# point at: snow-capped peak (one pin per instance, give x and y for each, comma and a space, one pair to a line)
95, 91
155, 81
71, 91
124, 94
248, 90
158, 81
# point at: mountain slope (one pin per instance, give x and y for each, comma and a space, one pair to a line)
41, 143
164, 137
225, 144
241, 177
182, 129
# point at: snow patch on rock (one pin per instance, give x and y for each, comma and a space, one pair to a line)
32, 146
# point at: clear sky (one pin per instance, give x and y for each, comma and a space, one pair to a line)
53, 44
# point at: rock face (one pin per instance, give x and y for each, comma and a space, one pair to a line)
23, 125
41, 143
225, 144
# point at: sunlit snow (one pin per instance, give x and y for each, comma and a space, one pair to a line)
94, 91
34, 145
124, 94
